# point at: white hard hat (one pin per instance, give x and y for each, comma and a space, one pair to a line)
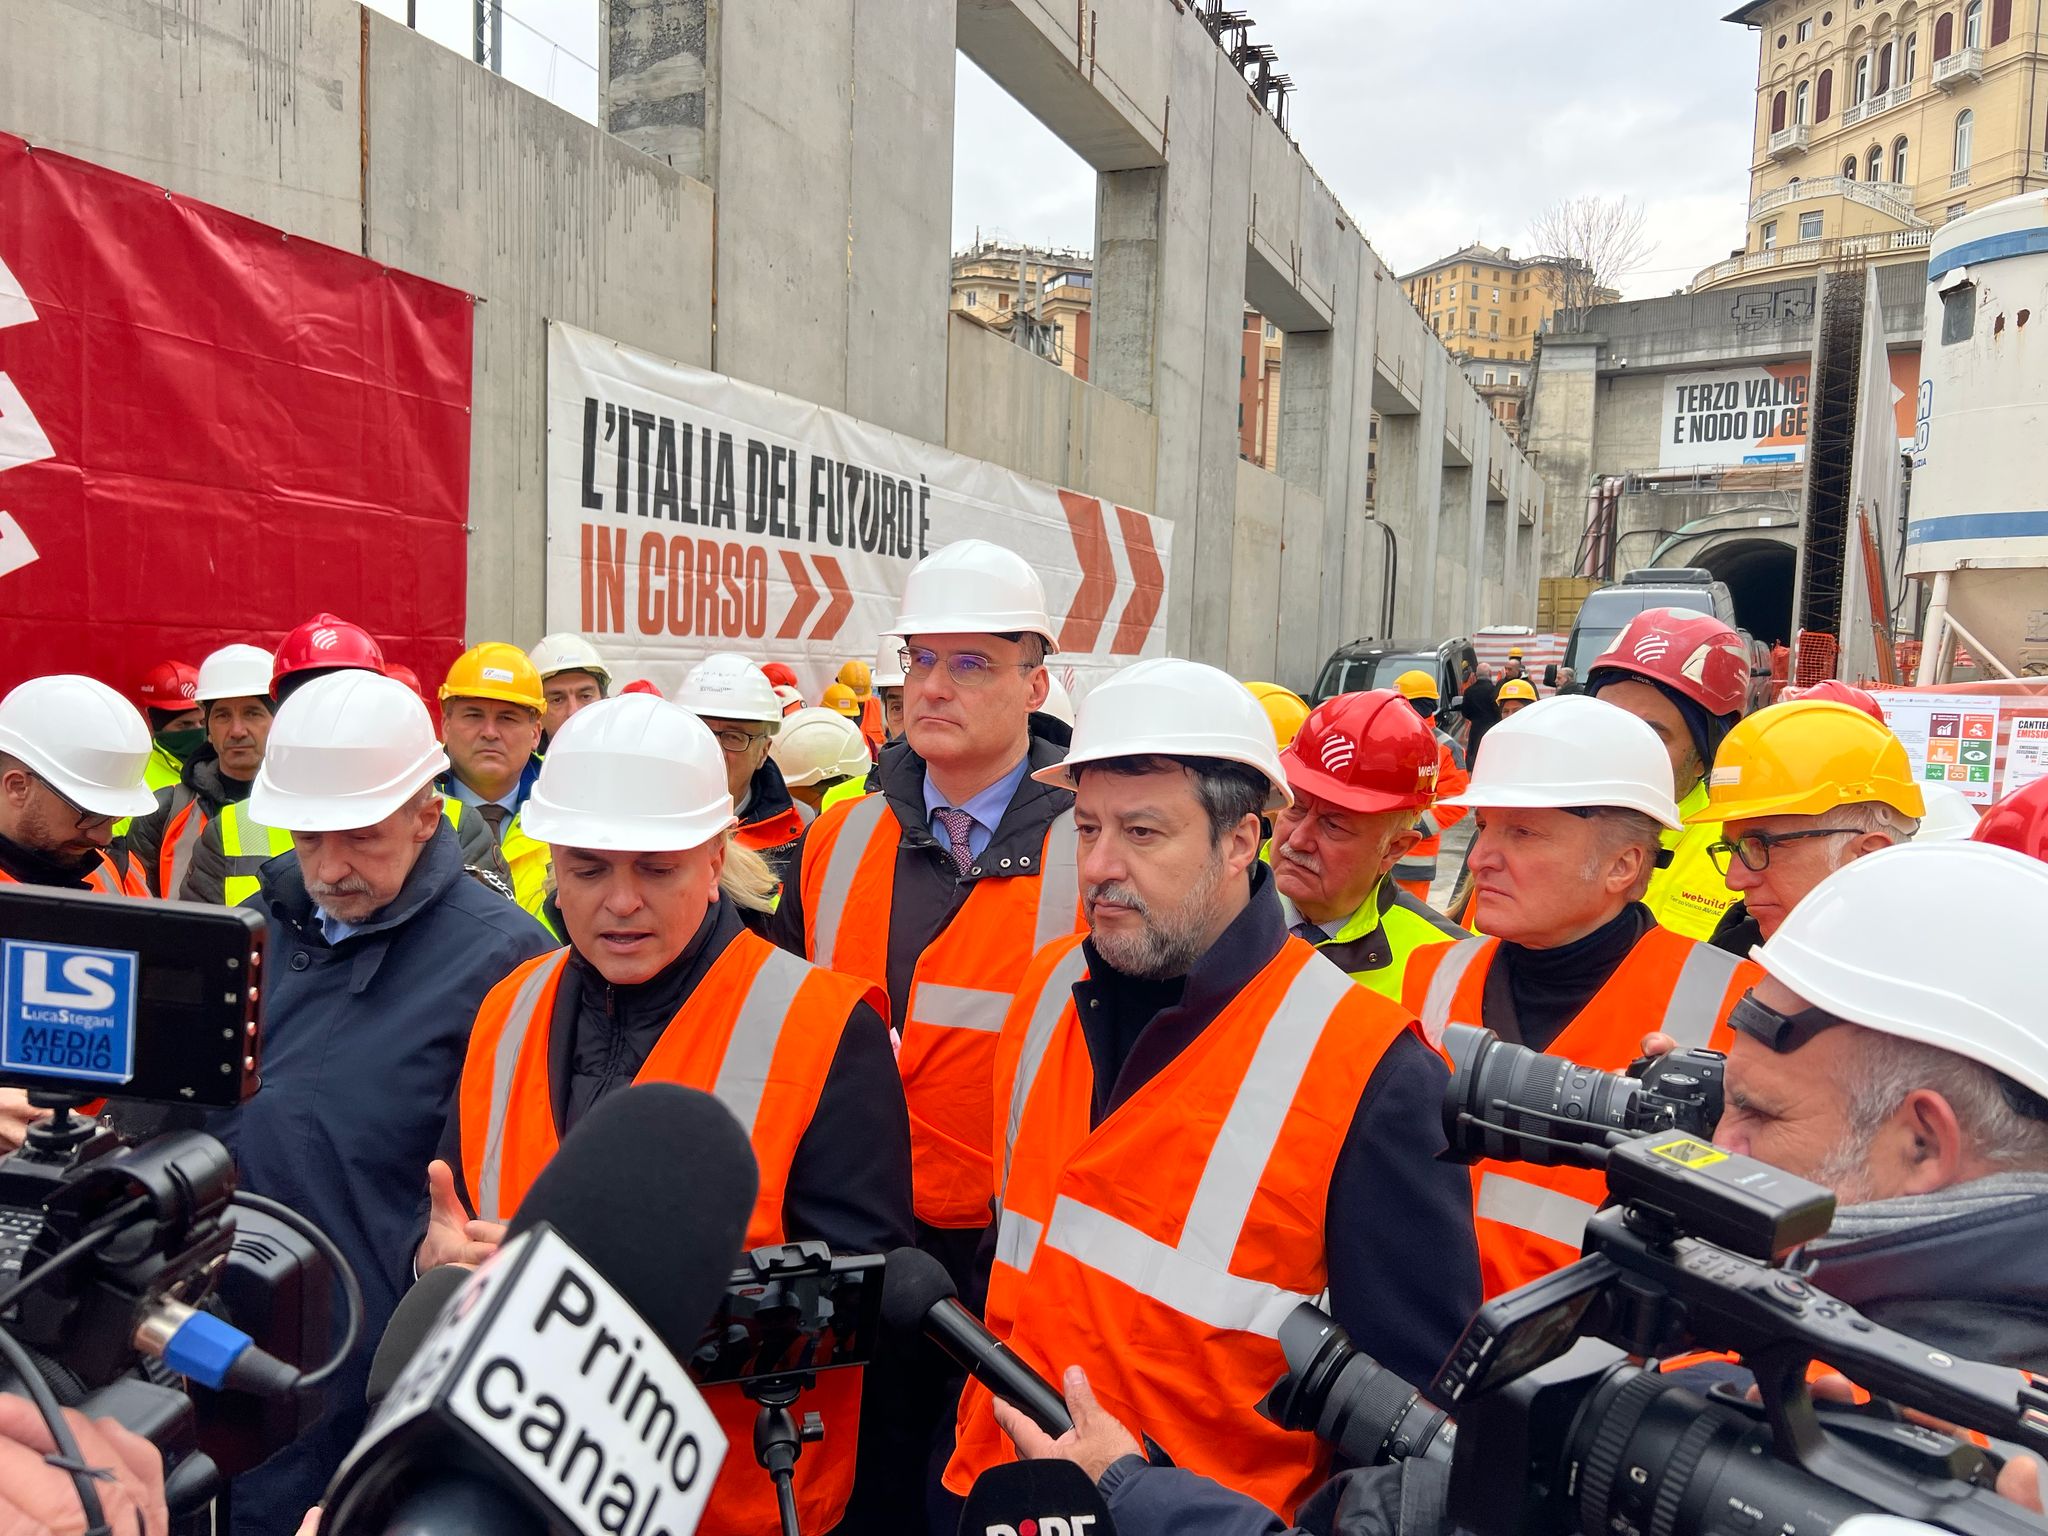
235, 672
974, 587
82, 739
1950, 816
635, 774
568, 652
888, 671
1058, 702
792, 699
1569, 751
346, 750
818, 743
1168, 707
727, 686
1886, 942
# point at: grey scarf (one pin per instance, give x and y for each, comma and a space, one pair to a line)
1901, 1213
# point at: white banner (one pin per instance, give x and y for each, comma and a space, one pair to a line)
690, 513
1952, 738
1746, 415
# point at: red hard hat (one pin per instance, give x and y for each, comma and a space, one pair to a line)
1688, 651
400, 672
1834, 691
324, 643
1366, 752
2018, 822
641, 685
780, 674
169, 685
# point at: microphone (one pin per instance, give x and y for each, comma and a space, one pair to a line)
418, 1310
1048, 1498
548, 1391
918, 1297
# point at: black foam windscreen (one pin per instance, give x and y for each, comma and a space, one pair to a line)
410, 1322
653, 1187
913, 1282
1027, 1495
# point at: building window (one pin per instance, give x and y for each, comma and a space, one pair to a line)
1496, 295
2001, 21
1909, 58
1002, 301
1966, 122
1958, 313
1944, 37
1809, 227
973, 298
1240, 415
1778, 113
1875, 163
1240, 365
1475, 290
1899, 162
1800, 95
1271, 330
1489, 375
1973, 24
1884, 69
1955, 211
1514, 379
1849, 168
1472, 321
1770, 237
1805, 31
1862, 80
1824, 96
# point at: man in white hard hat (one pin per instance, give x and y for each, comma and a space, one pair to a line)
1569, 802
380, 950
573, 676
817, 751
1204, 1124
72, 755
663, 982
1895, 1049
233, 695
738, 705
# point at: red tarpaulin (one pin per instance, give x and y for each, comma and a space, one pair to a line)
210, 430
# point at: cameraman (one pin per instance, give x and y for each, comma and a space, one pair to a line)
38, 1499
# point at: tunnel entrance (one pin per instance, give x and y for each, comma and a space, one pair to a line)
1759, 575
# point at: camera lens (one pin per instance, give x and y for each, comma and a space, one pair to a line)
1507, 1101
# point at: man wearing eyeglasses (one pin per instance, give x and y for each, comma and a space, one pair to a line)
1570, 800
738, 705
72, 753
942, 884
1802, 788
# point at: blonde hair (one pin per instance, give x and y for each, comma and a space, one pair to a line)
746, 879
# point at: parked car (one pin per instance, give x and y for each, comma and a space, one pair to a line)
1369, 663
1607, 611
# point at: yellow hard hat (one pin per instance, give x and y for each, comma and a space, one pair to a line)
856, 675
1514, 653
1283, 706
1417, 685
1804, 758
1516, 688
839, 697
495, 670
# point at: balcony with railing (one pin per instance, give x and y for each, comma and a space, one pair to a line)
1886, 197
1814, 253
1958, 179
1787, 142
1965, 64
1856, 111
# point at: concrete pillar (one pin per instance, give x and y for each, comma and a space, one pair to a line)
1400, 505
1563, 420
652, 77
1126, 293
1429, 484
1454, 551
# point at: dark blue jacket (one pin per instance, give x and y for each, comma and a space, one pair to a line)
362, 1048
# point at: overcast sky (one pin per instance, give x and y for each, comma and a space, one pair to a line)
1440, 123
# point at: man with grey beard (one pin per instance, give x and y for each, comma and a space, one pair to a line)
380, 950
1202, 1122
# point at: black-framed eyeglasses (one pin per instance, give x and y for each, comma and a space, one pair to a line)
86, 819
969, 669
736, 741
1754, 848
1780, 1032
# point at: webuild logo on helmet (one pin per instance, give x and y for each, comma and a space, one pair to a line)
67, 1011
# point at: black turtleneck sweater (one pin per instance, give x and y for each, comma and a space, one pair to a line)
31, 866
1532, 994
849, 1184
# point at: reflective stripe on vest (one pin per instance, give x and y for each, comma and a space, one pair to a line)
107, 879
1435, 1011
852, 844
743, 1074
1547, 1212
504, 1062
1694, 1011
1192, 1277
181, 841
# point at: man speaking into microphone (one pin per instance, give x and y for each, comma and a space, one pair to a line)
662, 983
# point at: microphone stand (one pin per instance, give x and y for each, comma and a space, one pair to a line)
778, 1438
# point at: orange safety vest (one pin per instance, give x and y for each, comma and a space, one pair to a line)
959, 992
181, 841
1416, 871
774, 832
1162, 1248
872, 723
109, 879
759, 1031
1531, 1220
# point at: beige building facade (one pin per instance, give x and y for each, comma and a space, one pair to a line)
1876, 122
1039, 297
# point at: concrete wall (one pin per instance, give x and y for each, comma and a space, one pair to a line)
775, 201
